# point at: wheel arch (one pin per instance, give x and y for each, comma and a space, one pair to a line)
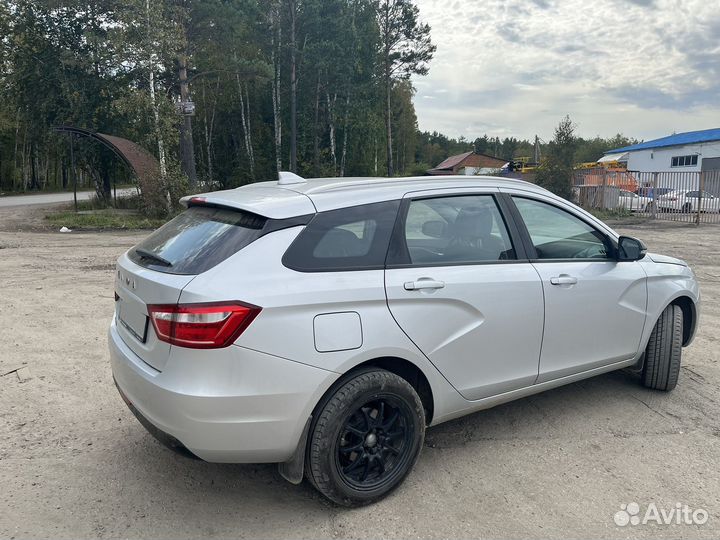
401, 367
412, 374
293, 469
690, 315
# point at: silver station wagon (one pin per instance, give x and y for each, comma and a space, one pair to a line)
324, 324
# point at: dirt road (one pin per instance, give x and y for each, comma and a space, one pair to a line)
74, 463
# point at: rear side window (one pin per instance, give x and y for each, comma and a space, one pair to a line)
353, 238
198, 239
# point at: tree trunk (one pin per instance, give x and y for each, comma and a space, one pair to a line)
376, 156
245, 124
156, 118
251, 151
206, 133
388, 87
56, 168
277, 119
293, 86
187, 146
73, 170
153, 102
331, 123
24, 169
209, 129
105, 185
33, 170
316, 134
388, 119
346, 128
15, 155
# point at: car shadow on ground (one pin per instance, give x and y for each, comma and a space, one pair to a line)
606, 405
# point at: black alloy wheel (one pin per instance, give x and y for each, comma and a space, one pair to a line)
373, 443
365, 437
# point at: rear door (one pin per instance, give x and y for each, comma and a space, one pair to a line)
464, 293
595, 306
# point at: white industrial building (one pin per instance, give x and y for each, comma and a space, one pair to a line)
693, 151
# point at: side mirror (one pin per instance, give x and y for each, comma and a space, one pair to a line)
630, 249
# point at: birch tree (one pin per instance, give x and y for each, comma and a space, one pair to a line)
405, 49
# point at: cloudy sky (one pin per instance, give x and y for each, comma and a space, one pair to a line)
644, 68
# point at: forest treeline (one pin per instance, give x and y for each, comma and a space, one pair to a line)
221, 92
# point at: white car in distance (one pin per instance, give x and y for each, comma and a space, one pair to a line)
688, 201
634, 202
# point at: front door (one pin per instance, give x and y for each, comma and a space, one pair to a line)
456, 287
594, 305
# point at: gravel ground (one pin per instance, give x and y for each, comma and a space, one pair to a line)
74, 463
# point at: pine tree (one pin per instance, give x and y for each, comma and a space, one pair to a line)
405, 50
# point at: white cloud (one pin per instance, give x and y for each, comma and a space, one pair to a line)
644, 68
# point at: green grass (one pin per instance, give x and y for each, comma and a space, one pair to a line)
131, 202
107, 219
93, 214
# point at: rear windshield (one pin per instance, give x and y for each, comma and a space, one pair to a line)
198, 239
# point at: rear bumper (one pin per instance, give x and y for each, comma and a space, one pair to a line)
231, 405
164, 438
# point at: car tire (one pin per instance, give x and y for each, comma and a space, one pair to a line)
664, 351
365, 438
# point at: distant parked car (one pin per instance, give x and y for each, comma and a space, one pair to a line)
688, 201
653, 193
634, 202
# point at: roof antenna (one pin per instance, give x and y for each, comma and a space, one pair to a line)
285, 178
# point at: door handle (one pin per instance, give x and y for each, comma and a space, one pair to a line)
423, 284
563, 279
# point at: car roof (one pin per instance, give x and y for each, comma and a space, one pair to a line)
279, 201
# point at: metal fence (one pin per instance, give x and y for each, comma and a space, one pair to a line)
690, 197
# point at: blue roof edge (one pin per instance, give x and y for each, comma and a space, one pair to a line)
678, 139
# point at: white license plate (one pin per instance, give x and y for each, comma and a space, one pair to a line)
133, 321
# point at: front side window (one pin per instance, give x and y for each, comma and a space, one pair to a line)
557, 234
353, 238
464, 229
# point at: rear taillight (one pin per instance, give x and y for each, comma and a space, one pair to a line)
201, 326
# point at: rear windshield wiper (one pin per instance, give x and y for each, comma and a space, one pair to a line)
144, 253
